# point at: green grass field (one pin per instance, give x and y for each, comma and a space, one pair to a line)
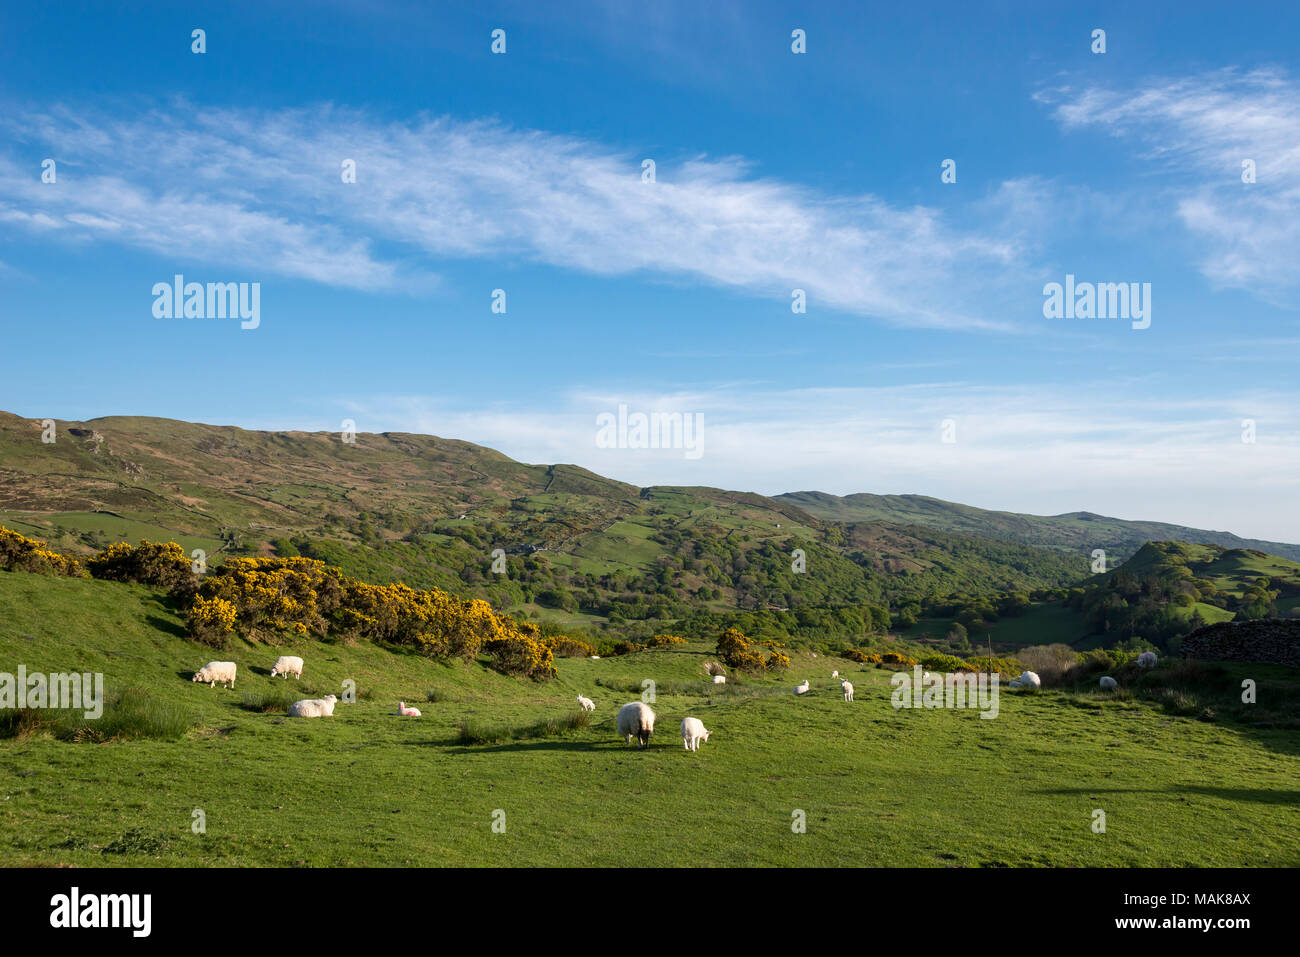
878, 786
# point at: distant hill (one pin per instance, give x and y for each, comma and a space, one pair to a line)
1073, 531
580, 550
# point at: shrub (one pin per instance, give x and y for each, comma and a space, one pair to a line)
661, 641
21, 554
563, 646
522, 655
211, 621
894, 659
1008, 668
162, 564
713, 668
938, 661
1052, 663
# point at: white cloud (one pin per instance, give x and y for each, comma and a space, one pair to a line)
262, 189
1197, 131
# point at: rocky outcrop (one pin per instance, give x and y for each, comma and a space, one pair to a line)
1272, 640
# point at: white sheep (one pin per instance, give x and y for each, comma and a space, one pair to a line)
287, 665
803, 688
595, 657
635, 719
693, 732
313, 707
1027, 679
847, 688
214, 671
835, 674
719, 679
402, 709
1147, 659
1108, 683
587, 703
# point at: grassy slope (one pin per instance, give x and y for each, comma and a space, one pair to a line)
1075, 531
880, 786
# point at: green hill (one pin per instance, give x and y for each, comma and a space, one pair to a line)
875, 785
1073, 531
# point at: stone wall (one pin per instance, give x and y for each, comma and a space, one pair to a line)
1274, 640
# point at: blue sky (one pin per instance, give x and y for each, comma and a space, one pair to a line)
774, 171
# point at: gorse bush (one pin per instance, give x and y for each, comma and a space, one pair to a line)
163, 565
662, 641
737, 652
21, 554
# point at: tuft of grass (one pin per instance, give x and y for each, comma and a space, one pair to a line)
138, 841
473, 731
132, 713
271, 702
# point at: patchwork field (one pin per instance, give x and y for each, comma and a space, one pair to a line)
878, 786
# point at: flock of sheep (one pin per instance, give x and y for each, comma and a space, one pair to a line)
635, 719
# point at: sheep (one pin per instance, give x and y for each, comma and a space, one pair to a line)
1147, 659
313, 707
1108, 683
693, 732
402, 709
835, 674
595, 657
214, 671
719, 679
847, 688
587, 703
635, 719
803, 688
287, 665
1027, 679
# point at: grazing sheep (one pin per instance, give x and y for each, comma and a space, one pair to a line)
1147, 659
587, 703
402, 709
835, 674
847, 688
1108, 683
595, 657
803, 688
635, 719
313, 707
287, 665
693, 732
214, 671
1027, 679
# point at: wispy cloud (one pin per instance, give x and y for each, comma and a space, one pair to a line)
1197, 131
263, 189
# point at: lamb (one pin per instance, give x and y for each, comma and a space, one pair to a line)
1147, 659
835, 674
719, 679
847, 688
1027, 679
313, 707
1108, 683
214, 671
635, 719
587, 703
402, 709
287, 665
693, 732
803, 688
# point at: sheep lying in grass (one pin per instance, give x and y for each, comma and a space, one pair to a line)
402, 709
1147, 659
1027, 679
587, 703
287, 665
693, 732
847, 688
214, 671
803, 688
635, 719
313, 707
1108, 683
719, 679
